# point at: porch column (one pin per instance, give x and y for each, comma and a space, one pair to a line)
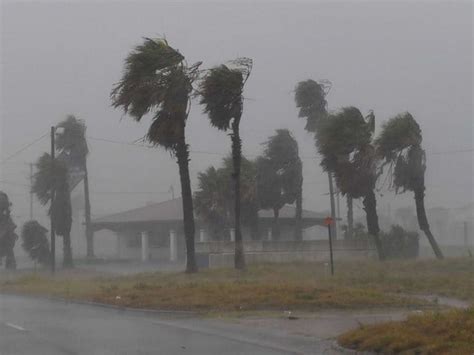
145, 249
119, 245
269, 234
202, 235
232, 235
173, 245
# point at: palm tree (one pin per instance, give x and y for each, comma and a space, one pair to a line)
157, 80
399, 144
281, 167
345, 143
310, 99
72, 142
221, 93
213, 199
8, 236
53, 176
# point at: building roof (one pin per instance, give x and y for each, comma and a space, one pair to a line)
172, 211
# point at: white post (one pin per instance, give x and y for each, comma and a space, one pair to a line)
269, 234
173, 246
145, 249
202, 235
232, 235
119, 245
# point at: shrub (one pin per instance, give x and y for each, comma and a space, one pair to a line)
35, 242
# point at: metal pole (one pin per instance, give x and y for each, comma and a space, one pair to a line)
53, 186
31, 191
330, 249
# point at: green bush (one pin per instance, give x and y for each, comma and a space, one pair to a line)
399, 243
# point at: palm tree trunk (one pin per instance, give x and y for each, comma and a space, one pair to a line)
67, 251
87, 212
239, 260
350, 218
370, 207
333, 206
276, 224
182, 155
423, 221
299, 212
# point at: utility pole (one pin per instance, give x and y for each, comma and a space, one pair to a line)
53, 188
333, 207
31, 191
329, 222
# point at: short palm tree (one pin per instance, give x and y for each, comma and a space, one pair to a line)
51, 177
157, 80
399, 144
282, 165
221, 92
345, 143
72, 142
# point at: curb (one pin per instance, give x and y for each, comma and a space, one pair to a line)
105, 305
346, 351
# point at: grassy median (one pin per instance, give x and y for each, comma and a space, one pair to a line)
431, 333
300, 286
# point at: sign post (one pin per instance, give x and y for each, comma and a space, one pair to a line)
328, 221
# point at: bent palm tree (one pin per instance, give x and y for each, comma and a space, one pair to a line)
72, 142
344, 141
54, 176
221, 93
399, 144
157, 80
310, 99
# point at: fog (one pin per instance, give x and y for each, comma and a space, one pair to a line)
62, 58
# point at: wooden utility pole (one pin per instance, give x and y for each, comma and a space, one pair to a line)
31, 191
329, 221
333, 205
53, 187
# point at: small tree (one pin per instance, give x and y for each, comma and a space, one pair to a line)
213, 199
280, 178
8, 236
399, 144
54, 176
35, 242
221, 93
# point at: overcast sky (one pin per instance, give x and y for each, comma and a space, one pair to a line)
62, 58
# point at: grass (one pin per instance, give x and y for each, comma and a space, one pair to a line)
449, 332
301, 286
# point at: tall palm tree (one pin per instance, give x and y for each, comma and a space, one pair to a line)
221, 93
72, 142
345, 143
157, 80
399, 144
310, 99
54, 176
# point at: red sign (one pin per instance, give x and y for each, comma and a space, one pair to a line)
328, 221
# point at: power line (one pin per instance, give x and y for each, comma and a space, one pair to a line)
467, 150
24, 148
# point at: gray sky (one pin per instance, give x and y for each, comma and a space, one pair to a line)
62, 58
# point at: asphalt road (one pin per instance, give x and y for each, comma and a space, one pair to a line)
40, 326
